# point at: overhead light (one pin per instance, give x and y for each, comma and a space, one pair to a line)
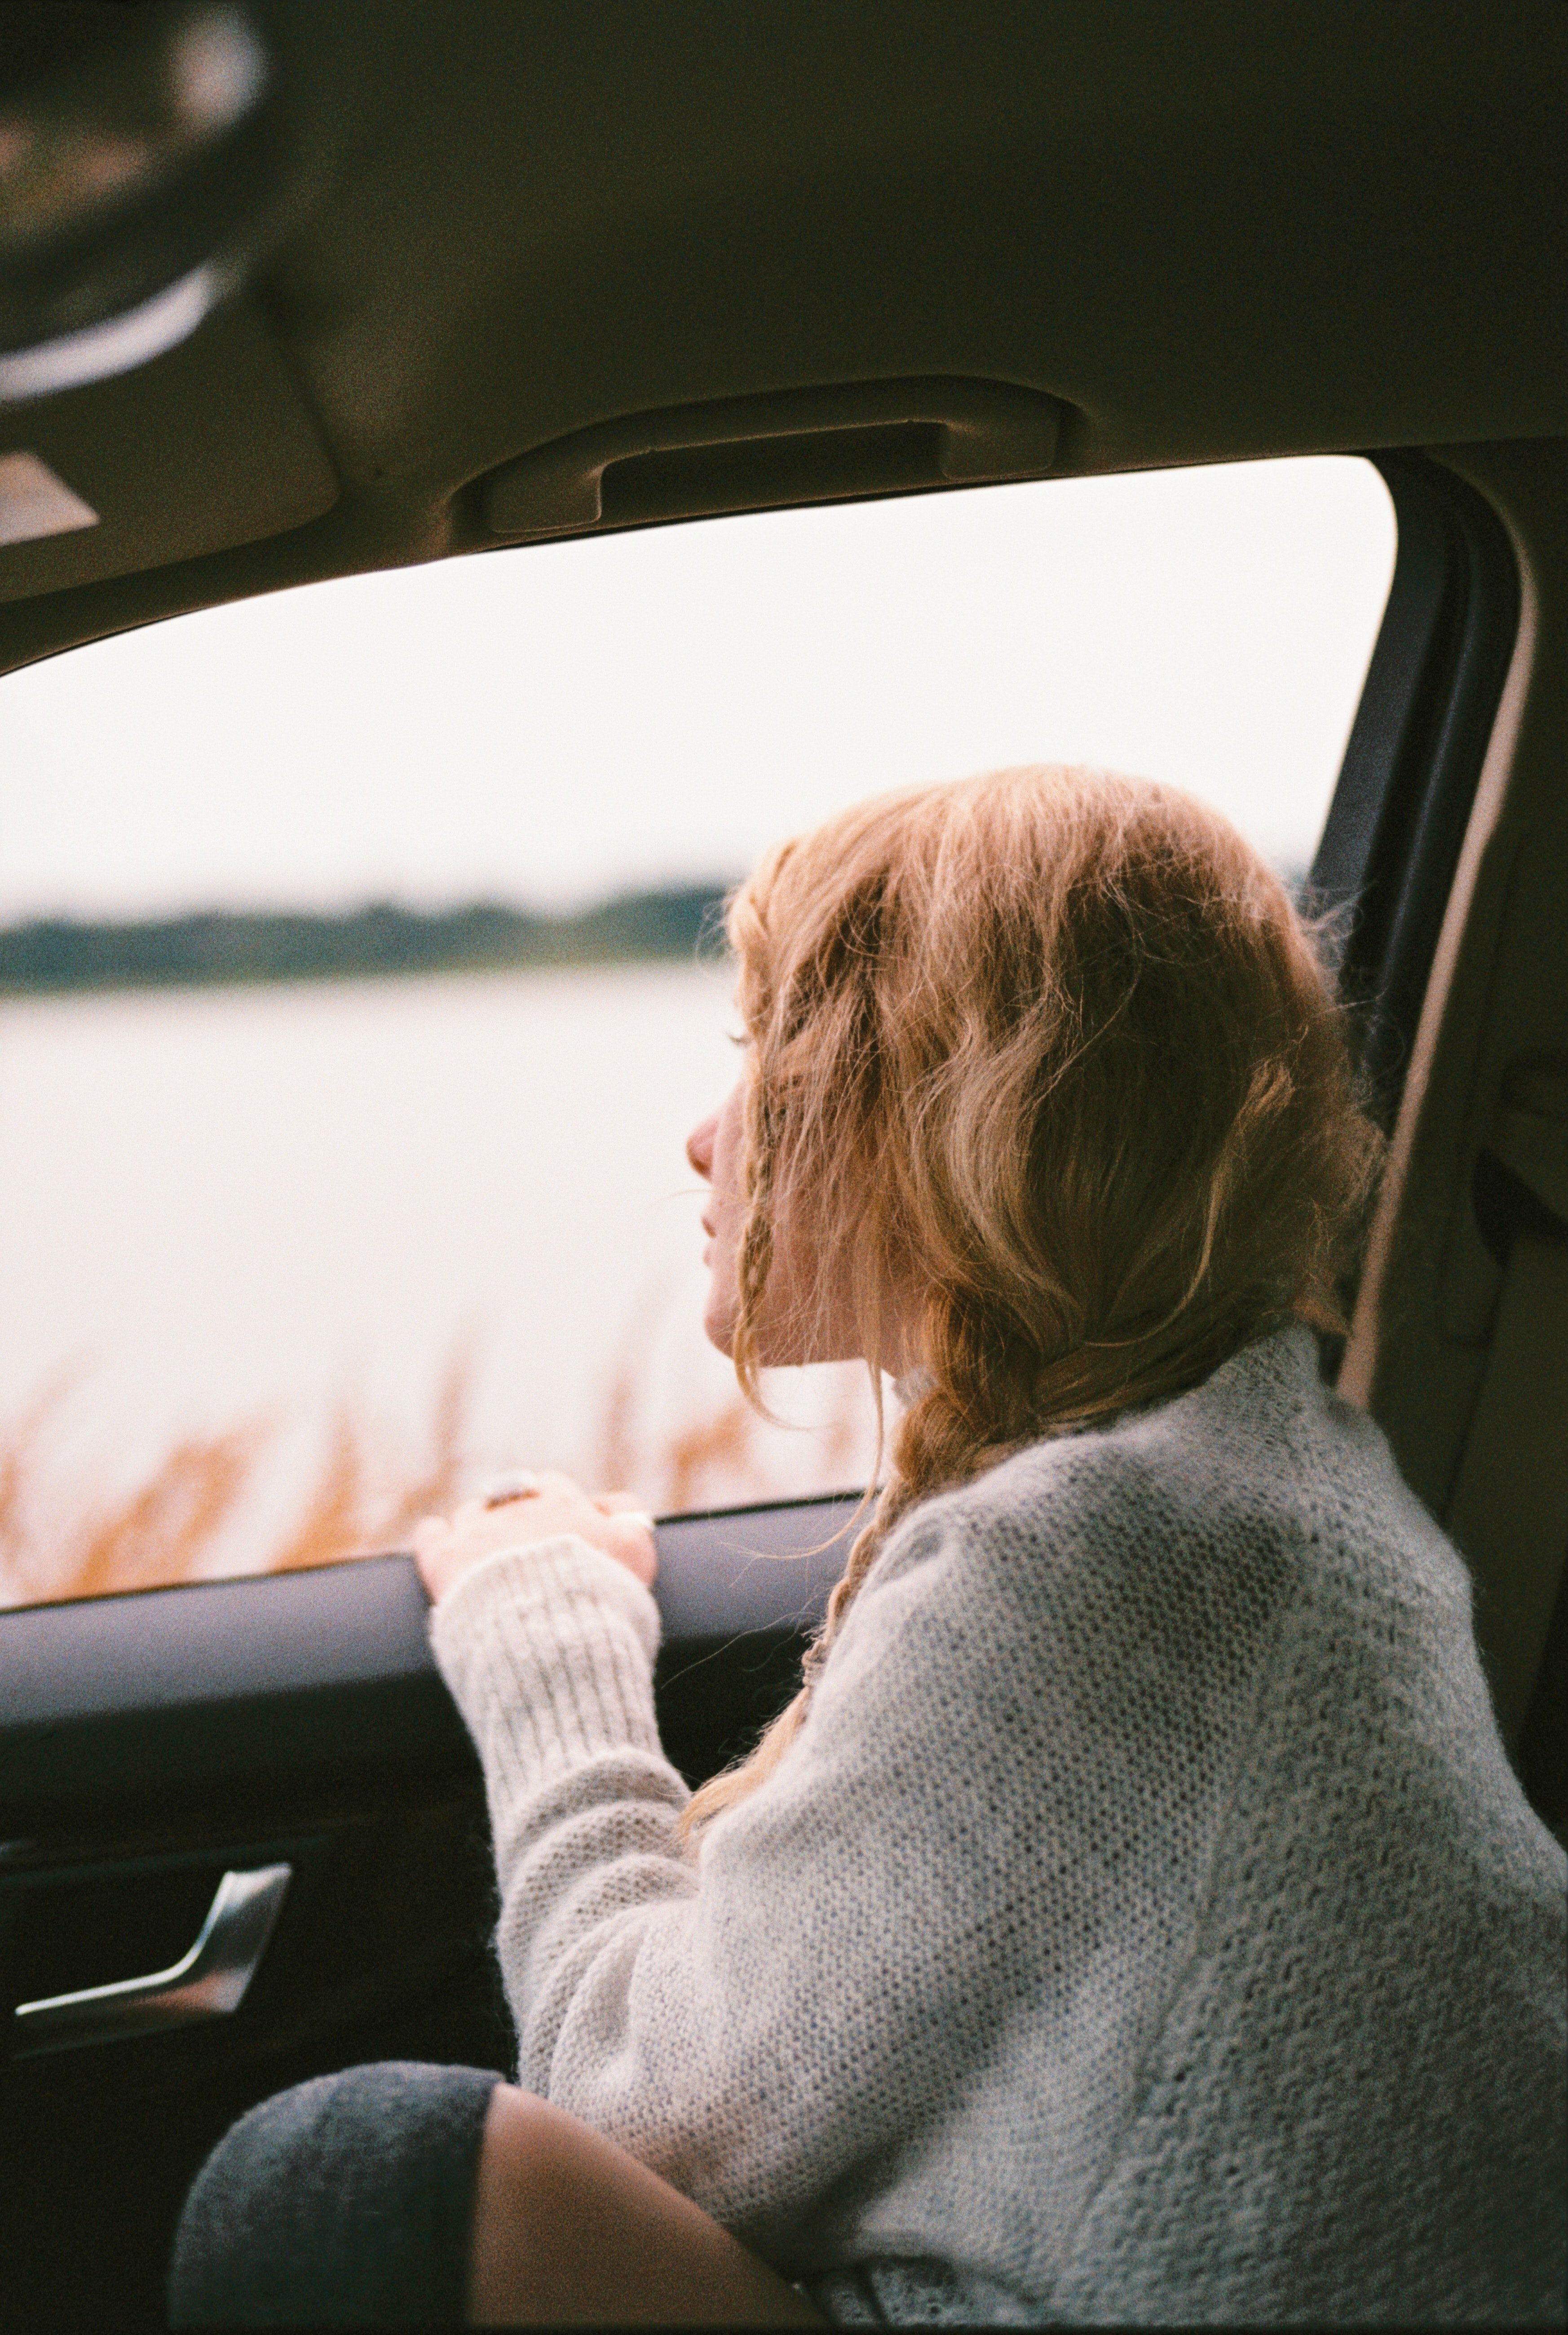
120, 345
139, 177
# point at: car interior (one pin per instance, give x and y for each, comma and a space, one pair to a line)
426, 284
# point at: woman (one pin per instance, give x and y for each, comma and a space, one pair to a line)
1133, 1917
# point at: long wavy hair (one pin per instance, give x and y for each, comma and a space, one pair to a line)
1048, 1066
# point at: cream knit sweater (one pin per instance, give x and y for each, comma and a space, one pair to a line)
1144, 1926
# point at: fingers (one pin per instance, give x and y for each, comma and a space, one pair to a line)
616, 1521
432, 1539
552, 1480
629, 1539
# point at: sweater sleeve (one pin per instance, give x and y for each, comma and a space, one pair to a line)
780, 2013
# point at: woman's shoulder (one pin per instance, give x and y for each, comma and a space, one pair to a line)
1202, 1448
1253, 1484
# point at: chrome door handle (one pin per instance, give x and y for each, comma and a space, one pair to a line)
208, 1982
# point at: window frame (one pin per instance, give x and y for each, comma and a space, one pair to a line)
1397, 819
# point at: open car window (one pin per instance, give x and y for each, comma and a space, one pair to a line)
359, 976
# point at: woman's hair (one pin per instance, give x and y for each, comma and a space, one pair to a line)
1049, 1067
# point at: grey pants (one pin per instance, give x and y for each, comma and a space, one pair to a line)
343, 2203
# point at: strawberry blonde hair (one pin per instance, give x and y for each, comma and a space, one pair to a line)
1049, 1065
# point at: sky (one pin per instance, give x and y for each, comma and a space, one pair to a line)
554, 723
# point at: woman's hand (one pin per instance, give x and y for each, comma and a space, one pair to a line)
616, 1522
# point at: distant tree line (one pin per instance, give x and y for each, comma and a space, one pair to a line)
220, 945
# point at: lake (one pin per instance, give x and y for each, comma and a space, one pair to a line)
264, 1204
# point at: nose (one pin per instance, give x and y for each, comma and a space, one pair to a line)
700, 1146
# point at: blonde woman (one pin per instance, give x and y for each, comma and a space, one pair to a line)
1134, 1916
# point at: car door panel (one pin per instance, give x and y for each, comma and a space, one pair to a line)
151, 1743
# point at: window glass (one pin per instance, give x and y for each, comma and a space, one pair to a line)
332, 1181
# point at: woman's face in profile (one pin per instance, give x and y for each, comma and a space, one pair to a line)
808, 1317
714, 1150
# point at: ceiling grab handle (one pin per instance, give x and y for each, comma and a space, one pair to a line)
797, 445
207, 1982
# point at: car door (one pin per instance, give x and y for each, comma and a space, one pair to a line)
289, 1741
242, 1833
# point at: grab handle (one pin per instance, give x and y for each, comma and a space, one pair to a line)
207, 1982
799, 446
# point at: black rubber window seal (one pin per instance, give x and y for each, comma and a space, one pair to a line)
1391, 841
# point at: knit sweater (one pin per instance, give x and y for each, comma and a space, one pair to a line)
1145, 1925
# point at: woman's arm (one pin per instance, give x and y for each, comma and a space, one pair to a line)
745, 2022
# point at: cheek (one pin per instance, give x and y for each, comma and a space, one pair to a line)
728, 1137
812, 1315
789, 1330
792, 1297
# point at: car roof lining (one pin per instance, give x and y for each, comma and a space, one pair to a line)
1211, 235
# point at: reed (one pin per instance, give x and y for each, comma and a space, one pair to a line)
369, 1485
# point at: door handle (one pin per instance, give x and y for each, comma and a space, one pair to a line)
207, 1982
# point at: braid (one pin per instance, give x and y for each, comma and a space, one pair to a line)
935, 1449
935, 1452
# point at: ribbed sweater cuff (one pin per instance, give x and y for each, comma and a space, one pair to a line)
549, 1651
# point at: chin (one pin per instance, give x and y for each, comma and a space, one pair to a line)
719, 1329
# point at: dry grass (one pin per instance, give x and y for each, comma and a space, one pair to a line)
716, 1452
168, 1527
368, 1488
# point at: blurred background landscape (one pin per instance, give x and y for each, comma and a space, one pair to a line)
49, 954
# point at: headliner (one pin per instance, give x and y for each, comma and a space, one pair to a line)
1212, 232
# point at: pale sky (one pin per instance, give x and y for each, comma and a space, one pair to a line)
552, 723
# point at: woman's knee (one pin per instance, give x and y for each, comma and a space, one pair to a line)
408, 2195
347, 2201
